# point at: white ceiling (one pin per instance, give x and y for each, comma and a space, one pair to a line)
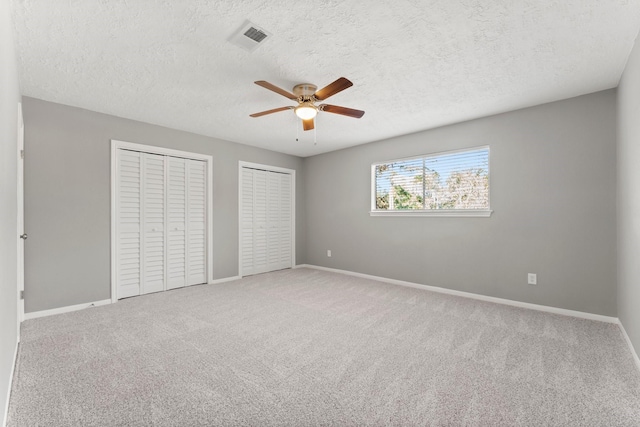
415, 64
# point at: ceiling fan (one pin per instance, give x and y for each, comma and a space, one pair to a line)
307, 95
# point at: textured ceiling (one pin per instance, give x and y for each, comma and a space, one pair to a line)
415, 64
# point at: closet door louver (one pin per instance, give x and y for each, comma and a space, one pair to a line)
129, 225
176, 222
197, 213
153, 219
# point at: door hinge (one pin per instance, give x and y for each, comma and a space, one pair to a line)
22, 154
21, 294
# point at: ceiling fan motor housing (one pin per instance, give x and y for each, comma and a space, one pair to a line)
304, 90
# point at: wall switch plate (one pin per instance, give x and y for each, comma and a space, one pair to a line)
329, 253
532, 279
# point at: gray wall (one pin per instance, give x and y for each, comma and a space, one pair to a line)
629, 198
67, 198
9, 98
553, 192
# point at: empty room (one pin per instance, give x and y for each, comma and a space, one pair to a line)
225, 213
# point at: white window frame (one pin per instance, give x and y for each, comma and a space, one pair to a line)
429, 212
117, 145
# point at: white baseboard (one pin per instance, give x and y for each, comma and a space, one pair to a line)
538, 307
43, 313
13, 368
70, 308
630, 344
225, 280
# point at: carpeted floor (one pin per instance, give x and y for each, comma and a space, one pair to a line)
305, 347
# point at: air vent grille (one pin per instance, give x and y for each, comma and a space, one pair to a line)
249, 36
255, 34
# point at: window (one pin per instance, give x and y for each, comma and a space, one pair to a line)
454, 183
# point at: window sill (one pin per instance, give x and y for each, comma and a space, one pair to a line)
439, 212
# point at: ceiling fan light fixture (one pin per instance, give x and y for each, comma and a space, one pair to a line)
306, 111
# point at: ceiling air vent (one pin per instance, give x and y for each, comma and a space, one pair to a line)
255, 34
249, 36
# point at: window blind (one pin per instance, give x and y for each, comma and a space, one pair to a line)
457, 180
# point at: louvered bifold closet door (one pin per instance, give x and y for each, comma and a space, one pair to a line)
273, 221
153, 219
176, 222
196, 223
161, 222
266, 221
247, 221
285, 225
129, 224
260, 264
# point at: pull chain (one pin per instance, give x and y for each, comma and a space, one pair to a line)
298, 123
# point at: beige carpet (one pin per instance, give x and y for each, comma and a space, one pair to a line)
305, 347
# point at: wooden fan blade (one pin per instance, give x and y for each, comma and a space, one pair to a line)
333, 88
276, 89
335, 109
275, 110
307, 124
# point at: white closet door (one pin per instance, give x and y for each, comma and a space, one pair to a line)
285, 225
129, 224
153, 219
273, 221
161, 222
260, 221
266, 221
246, 220
176, 222
197, 220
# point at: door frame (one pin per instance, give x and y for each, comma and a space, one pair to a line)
117, 145
20, 214
292, 172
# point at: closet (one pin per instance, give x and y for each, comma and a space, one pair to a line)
266, 217
161, 222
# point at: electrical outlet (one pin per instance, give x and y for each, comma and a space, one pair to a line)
329, 253
532, 279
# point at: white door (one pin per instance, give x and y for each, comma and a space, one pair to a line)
176, 223
259, 221
266, 221
273, 221
153, 223
285, 225
197, 222
246, 221
161, 222
129, 223
22, 236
